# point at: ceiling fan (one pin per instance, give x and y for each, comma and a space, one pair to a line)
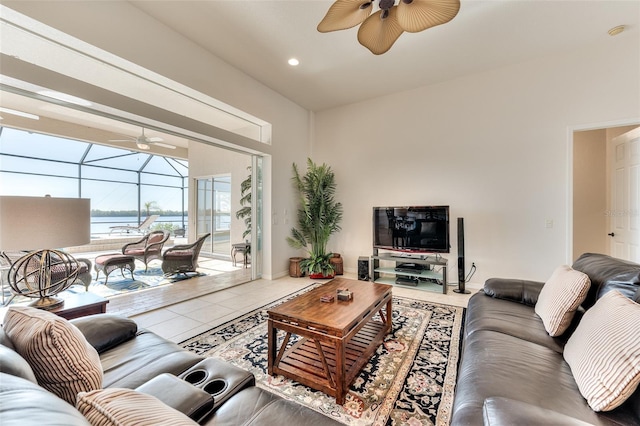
144, 142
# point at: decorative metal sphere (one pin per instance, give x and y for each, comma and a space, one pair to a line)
41, 275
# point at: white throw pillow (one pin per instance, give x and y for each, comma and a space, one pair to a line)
560, 297
604, 351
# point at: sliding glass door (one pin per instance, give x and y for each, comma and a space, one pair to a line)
213, 213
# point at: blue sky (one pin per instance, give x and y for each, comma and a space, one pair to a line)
122, 195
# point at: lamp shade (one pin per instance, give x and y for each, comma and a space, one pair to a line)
30, 223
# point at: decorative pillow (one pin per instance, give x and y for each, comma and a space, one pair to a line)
604, 350
560, 297
61, 358
119, 407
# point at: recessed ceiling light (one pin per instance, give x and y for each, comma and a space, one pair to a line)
19, 113
616, 30
64, 97
293, 62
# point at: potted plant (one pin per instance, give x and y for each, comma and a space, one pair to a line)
319, 216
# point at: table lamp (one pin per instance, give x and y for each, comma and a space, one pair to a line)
29, 223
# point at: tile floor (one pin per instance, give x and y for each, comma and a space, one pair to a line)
186, 319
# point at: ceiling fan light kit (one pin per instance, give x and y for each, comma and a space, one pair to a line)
143, 142
380, 30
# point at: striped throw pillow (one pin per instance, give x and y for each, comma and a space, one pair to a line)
62, 360
117, 407
604, 351
560, 297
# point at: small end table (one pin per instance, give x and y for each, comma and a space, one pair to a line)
242, 248
80, 305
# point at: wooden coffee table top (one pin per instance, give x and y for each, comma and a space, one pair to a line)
338, 317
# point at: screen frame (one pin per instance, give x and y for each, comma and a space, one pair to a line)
408, 248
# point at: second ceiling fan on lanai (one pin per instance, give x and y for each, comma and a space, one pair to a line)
144, 142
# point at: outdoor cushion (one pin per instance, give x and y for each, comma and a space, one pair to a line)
177, 254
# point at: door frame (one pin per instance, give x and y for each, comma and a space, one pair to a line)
570, 165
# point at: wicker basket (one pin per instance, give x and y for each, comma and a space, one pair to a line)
337, 263
294, 267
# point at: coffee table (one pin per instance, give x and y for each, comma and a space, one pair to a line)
337, 338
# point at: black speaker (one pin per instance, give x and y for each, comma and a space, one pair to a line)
363, 268
461, 266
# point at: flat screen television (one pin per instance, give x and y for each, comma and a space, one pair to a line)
421, 229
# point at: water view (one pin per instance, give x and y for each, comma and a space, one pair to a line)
101, 225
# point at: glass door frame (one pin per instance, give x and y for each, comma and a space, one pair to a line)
257, 234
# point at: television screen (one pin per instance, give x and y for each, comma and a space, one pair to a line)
411, 228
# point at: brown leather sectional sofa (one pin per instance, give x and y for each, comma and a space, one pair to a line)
210, 391
513, 373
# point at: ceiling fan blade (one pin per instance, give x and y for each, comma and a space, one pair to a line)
164, 145
418, 15
345, 14
378, 34
155, 139
121, 140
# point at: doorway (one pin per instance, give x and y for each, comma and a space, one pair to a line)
213, 213
591, 193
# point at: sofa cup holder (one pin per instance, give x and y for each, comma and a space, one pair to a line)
199, 378
218, 378
215, 387
196, 377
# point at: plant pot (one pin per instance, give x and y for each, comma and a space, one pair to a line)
294, 267
337, 263
320, 276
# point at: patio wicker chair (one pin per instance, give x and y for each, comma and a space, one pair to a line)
143, 228
182, 258
148, 248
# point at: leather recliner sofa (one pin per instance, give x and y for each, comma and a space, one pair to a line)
513, 373
138, 359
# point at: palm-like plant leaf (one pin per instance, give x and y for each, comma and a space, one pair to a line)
245, 201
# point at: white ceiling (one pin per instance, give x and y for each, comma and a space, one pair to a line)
259, 36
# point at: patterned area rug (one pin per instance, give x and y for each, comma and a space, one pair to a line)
409, 380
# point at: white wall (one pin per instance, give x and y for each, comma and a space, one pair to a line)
493, 146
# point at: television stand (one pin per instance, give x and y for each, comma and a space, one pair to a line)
418, 271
